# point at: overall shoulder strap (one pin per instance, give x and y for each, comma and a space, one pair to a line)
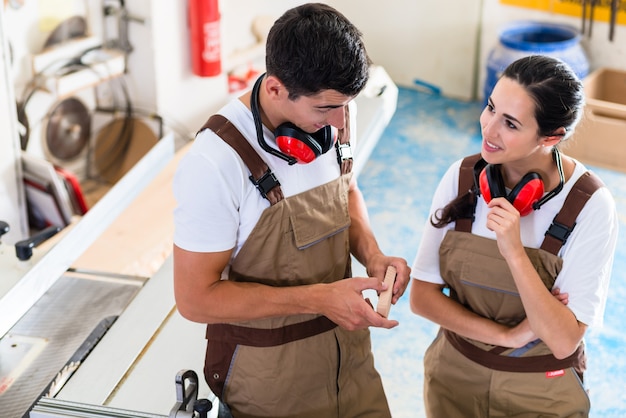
565, 221
261, 176
466, 182
343, 147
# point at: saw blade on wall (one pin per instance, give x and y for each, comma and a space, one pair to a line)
119, 145
68, 129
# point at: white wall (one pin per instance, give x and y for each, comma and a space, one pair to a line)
433, 42
401, 37
180, 95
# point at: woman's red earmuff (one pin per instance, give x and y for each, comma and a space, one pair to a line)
527, 195
485, 189
523, 196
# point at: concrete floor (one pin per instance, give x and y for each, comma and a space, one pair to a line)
426, 134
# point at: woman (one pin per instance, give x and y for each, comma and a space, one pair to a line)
513, 286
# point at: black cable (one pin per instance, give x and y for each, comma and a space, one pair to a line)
256, 114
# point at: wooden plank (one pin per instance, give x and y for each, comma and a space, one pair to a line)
384, 299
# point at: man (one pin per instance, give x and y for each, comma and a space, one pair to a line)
265, 224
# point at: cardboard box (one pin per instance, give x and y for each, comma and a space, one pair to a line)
600, 138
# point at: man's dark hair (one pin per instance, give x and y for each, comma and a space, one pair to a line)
313, 47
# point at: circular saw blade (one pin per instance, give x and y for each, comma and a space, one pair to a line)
119, 145
74, 27
68, 129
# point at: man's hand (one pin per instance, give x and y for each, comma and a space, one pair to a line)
377, 267
345, 305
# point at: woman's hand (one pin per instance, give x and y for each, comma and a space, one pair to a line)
504, 220
519, 335
561, 297
522, 334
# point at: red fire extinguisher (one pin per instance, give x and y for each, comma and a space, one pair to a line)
204, 28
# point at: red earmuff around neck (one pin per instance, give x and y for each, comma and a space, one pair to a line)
296, 149
526, 193
523, 196
303, 146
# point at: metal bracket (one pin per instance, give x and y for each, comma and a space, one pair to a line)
123, 17
266, 183
187, 403
560, 231
186, 394
344, 151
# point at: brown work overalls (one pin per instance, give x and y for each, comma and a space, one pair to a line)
299, 365
466, 378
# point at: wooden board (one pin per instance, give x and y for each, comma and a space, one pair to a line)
384, 299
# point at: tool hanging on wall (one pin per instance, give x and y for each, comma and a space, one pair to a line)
588, 12
588, 9
119, 145
117, 9
71, 28
583, 4
613, 18
68, 129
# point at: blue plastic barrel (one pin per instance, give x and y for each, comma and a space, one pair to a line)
521, 39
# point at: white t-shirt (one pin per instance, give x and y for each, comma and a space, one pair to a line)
587, 254
217, 204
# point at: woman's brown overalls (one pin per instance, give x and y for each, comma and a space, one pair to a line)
466, 378
299, 365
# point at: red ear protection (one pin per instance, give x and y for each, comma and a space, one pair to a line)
303, 146
527, 195
523, 196
294, 144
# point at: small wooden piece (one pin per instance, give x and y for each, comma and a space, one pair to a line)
384, 299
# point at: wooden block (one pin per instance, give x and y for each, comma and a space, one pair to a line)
384, 299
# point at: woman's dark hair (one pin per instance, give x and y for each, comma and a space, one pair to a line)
559, 101
313, 47
554, 87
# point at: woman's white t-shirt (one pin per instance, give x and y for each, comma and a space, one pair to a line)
587, 254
